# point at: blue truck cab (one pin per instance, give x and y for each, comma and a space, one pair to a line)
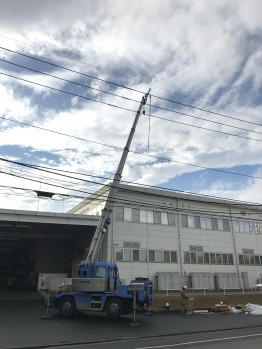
98, 288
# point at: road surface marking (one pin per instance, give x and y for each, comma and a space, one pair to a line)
197, 342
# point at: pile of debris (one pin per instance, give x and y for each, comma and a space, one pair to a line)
217, 308
222, 309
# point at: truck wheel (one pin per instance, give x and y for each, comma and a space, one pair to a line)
67, 307
114, 307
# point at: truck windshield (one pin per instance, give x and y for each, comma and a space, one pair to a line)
100, 272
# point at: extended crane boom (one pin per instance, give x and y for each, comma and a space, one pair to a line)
97, 286
100, 232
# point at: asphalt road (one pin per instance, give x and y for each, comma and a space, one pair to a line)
21, 326
240, 339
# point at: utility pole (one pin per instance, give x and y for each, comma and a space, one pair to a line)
104, 221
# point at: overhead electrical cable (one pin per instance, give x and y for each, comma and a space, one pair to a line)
70, 81
71, 70
98, 67
103, 195
132, 100
128, 88
53, 53
51, 180
133, 111
67, 92
42, 182
131, 151
142, 204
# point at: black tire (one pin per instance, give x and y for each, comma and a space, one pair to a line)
114, 307
67, 307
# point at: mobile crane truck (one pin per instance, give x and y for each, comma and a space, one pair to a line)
97, 286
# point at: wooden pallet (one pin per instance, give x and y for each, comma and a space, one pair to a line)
202, 312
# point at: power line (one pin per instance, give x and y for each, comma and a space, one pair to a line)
127, 109
130, 99
148, 204
106, 185
54, 53
71, 70
42, 182
52, 171
67, 92
131, 151
51, 180
128, 88
70, 81
98, 67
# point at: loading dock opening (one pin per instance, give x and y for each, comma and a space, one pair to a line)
38, 242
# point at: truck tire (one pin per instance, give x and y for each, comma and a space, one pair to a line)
67, 307
114, 307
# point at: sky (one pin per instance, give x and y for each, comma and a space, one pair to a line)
72, 75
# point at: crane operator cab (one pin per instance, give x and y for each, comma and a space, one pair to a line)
98, 277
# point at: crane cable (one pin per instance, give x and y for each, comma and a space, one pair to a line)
149, 119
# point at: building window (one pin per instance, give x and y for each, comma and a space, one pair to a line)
208, 258
151, 256
205, 223
200, 257
164, 218
142, 255
213, 258
257, 260
236, 226
257, 228
246, 227
193, 257
241, 259
159, 256
166, 256
220, 224
171, 219
191, 221
150, 217
186, 257
127, 255
135, 255
127, 214
119, 254
173, 257
230, 259
218, 258
146, 216
224, 258
246, 259
120, 213
252, 260
139, 255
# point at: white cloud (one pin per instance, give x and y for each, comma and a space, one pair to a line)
201, 52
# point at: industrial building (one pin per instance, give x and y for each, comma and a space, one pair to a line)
181, 239
172, 238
